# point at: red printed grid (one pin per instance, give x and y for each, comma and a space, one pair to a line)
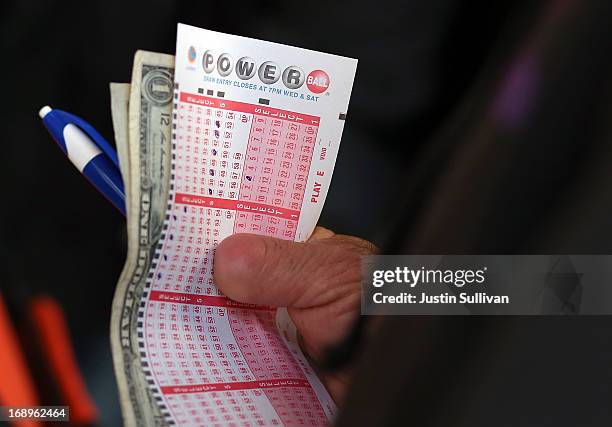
187, 260
206, 163
275, 173
261, 110
237, 205
269, 358
237, 167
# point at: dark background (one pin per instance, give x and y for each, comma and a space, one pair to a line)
474, 127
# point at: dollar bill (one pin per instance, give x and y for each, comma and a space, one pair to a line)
149, 119
120, 102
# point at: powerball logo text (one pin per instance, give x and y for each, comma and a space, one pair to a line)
269, 72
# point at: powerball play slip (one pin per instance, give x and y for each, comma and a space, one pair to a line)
256, 131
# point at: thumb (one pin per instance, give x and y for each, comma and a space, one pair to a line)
282, 273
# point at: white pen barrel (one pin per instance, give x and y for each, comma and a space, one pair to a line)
79, 147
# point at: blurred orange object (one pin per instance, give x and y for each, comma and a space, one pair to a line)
16, 385
48, 319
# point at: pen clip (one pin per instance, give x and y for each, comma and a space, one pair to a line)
95, 136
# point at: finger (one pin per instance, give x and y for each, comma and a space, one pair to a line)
321, 233
269, 271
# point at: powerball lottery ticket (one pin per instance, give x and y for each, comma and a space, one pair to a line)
256, 131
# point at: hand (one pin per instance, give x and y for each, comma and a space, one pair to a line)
319, 282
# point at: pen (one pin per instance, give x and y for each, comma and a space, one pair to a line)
88, 151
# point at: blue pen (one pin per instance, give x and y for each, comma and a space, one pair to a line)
88, 151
